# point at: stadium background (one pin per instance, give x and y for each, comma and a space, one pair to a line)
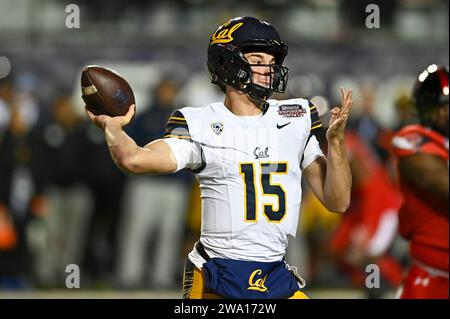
69, 204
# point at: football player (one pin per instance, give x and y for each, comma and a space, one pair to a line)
249, 154
422, 152
369, 226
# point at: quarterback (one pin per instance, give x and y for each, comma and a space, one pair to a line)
249, 154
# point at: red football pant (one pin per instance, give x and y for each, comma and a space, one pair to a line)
419, 284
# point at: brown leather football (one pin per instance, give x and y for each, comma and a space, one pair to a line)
105, 91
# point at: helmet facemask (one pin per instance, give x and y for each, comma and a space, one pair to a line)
278, 76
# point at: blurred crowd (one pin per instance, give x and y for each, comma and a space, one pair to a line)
63, 201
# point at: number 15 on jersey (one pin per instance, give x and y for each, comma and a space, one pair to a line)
259, 176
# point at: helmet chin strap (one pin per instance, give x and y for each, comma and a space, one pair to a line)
258, 95
263, 106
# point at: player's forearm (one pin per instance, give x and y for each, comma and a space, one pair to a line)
122, 148
155, 158
338, 180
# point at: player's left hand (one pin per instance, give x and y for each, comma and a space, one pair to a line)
339, 116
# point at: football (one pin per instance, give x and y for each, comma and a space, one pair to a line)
105, 91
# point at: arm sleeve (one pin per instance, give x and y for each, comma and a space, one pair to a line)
189, 154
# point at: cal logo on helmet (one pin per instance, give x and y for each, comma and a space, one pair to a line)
224, 35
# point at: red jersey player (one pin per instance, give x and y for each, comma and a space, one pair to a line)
369, 226
422, 152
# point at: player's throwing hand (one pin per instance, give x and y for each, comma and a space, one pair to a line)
102, 120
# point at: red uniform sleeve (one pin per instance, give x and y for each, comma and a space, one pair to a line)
417, 139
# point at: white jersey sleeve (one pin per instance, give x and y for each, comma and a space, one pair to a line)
188, 153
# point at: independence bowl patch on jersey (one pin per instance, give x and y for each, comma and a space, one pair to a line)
291, 110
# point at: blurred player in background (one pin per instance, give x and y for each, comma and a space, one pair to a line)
8, 234
369, 227
21, 186
422, 152
147, 197
249, 154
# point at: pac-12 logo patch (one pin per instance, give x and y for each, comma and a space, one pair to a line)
291, 110
217, 127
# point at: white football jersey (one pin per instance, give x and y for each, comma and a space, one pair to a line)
249, 171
